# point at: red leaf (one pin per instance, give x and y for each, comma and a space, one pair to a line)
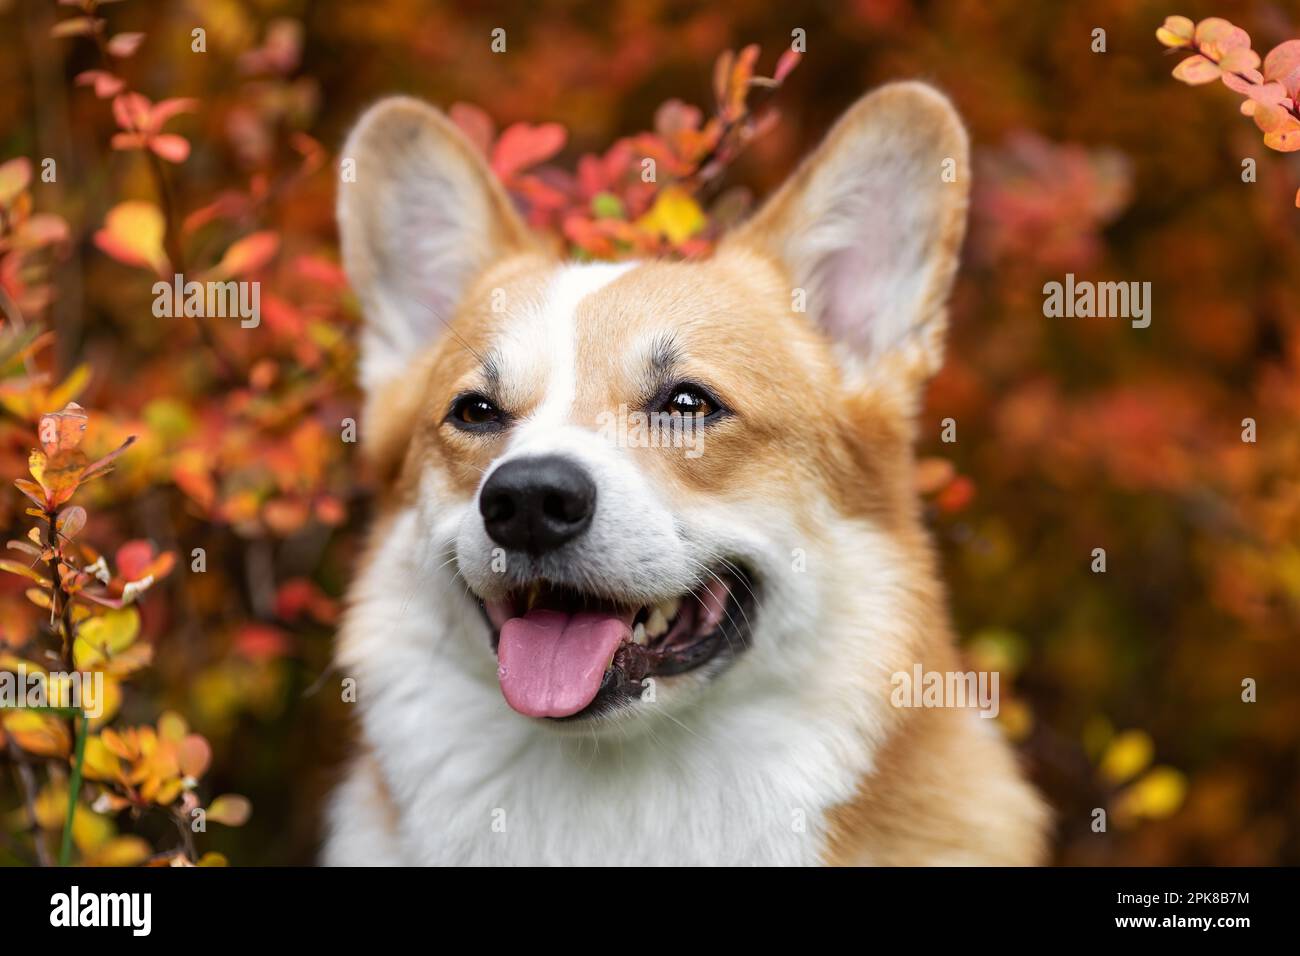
1283, 65
261, 642
105, 83
789, 60
523, 145
131, 110
166, 109
173, 148
133, 558
125, 44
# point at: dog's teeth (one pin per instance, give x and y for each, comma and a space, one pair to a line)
533, 592
670, 608
638, 634
656, 624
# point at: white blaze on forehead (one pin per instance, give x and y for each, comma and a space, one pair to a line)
550, 338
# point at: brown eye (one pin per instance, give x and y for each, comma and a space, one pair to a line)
474, 412
689, 401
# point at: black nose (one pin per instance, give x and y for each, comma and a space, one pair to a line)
537, 504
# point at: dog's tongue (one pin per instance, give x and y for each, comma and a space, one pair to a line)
551, 663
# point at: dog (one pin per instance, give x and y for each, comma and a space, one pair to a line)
572, 644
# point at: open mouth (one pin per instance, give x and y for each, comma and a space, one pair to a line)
562, 653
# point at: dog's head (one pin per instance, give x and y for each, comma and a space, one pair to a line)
646, 473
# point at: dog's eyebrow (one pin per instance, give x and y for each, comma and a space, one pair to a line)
490, 365
663, 357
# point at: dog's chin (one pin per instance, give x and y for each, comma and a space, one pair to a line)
570, 657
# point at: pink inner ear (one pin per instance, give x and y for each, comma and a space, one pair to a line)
874, 259
853, 290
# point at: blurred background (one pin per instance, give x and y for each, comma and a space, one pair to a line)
1123, 689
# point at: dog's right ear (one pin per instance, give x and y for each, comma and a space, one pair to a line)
419, 215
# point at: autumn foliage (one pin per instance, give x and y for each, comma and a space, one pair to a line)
1270, 85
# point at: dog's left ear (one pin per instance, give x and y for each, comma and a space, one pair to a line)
870, 228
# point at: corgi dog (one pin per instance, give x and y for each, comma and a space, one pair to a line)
578, 640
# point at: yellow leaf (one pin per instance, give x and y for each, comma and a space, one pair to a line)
1176, 32
100, 763
121, 851
172, 727
1127, 756
1097, 732
90, 830
1158, 794
133, 234
51, 807
15, 567
112, 703
38, 733
675, 215
101, 638
167, 792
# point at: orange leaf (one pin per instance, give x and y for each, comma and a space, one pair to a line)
59, 475
1216, 36
1284, 140
195, 756
1196, 70
248, 254
14, 177
31, 490
38, 733
76, 27
62, 430
1239, 60
230, 809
